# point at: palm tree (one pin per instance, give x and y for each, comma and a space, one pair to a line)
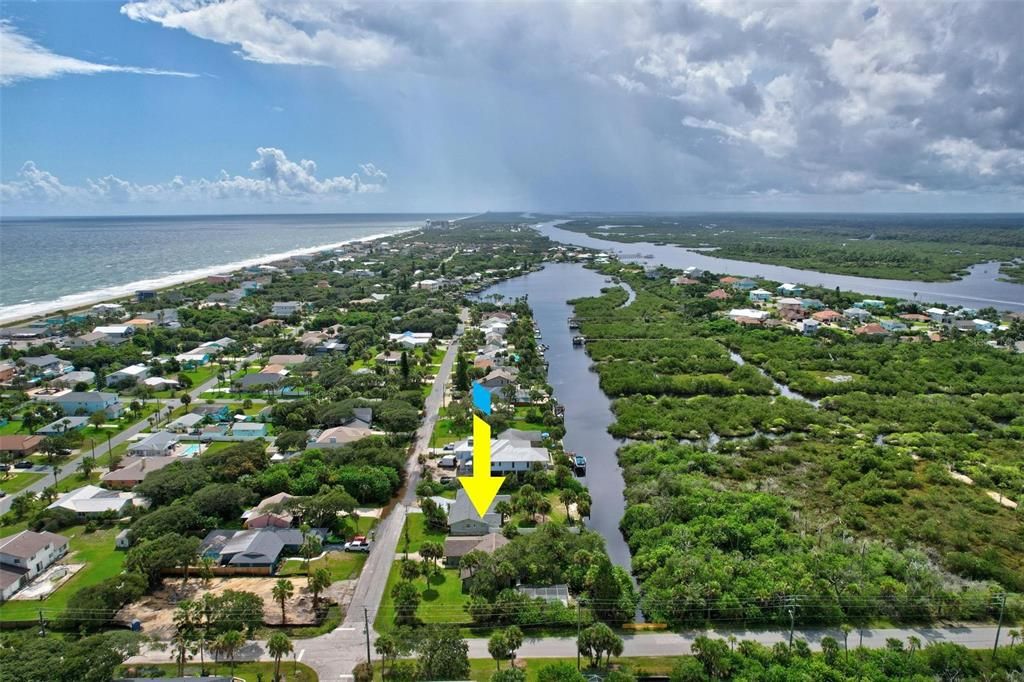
1014, 636
567, 497
504, 510
278, 646
228, 645
282, 592
847, 629
318, 581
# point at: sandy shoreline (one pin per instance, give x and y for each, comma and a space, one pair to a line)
24, 312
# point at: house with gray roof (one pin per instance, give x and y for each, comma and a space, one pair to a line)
159, 444
463, 519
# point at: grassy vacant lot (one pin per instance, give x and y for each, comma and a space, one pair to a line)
95, 550
290, 672
342, 565
18, 481
442, 599
418, 533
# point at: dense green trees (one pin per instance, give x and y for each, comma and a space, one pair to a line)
56, 659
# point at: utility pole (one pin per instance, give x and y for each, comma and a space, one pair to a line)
999, 626
366, 624
579, 616
790, 611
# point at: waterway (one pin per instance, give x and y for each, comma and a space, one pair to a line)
978, 289
587, 410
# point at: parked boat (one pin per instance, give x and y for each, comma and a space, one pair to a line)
578, 340
574, 323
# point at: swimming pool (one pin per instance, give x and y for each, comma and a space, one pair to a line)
191, 450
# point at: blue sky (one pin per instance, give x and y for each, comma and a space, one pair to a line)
253, 106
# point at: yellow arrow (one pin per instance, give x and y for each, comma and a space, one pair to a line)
481, 486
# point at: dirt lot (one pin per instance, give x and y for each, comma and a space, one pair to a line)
156, 610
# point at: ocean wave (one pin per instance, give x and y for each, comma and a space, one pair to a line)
24, 311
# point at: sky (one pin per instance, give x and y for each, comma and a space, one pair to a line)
255, 106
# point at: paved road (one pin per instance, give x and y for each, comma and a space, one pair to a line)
333, 656
70, 467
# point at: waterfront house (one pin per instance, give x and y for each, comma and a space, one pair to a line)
25, 555
507, 456
146, 294
787, 303
159, 444
760, 296
870, 303
788, 289
16, 447
88, 402
683, 280
938, 315
498, 379
984, 326
128, 376
811, 304
463, 519
745, 284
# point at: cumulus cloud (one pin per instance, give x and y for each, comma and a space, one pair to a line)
274, 177
24, 59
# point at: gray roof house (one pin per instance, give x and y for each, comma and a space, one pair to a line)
159, 444
463, 519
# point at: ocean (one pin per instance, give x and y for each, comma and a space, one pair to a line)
49, 264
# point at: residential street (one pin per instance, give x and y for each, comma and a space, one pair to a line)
70, 466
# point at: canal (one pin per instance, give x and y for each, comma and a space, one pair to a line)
587, 411
979, 289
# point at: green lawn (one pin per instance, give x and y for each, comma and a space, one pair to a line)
18, 481
342, 565
95, 550
290, 672
77, 480
11, 428
442, 600
416, 528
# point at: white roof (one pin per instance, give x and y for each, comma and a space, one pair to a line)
761, 291
92, 498
935, 311
789, 301
787, 285
117, 329
159, 381
190, 419
748, 312
133, 370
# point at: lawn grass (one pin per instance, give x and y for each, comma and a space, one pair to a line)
342, 565
102, 561
77, 480
11, 428
442, 600
418, 533
481, 669
290, 672
19, 481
